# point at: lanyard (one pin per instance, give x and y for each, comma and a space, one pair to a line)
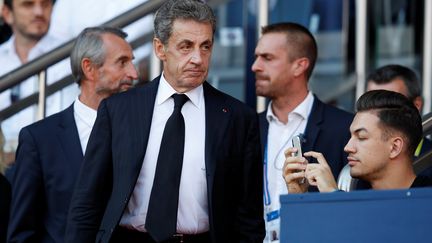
267, 197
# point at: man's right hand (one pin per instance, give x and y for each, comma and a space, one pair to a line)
320, 174
294, 172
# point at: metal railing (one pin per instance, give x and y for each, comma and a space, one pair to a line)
424, 161
40, 64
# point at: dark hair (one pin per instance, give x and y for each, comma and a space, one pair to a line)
396, 113
8, 3
89, 44
387, 74
172, 10
299, 38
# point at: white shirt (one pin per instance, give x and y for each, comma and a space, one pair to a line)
278, 140
192, 217
85, 118
9, 60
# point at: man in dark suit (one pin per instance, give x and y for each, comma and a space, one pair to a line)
50, 151
220, 191
285, 58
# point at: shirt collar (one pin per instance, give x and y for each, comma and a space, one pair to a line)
45, 44
165, 91
84, 112
8, 46
303, 109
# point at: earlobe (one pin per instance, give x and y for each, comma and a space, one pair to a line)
159, 49
7, 15
396, 147
418, 103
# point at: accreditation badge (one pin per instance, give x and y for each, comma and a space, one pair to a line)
272, 227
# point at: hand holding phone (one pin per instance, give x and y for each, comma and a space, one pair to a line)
296, 143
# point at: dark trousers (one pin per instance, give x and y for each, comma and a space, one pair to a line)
122, 235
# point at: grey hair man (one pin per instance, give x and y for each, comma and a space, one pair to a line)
143, 181
50, 151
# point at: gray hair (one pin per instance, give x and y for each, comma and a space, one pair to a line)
172, 10
89, 44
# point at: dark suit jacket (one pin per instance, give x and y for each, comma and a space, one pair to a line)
427, 146
115, 154
47, 164
5, 198
327, 132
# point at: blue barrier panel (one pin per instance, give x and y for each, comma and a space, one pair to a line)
359, 216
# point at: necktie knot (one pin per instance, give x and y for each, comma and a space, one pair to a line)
179, 100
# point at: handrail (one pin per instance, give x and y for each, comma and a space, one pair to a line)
31, 68
58, 85
427, 123
33, 98
425, 161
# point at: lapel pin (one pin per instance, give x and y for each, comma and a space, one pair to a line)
224, 110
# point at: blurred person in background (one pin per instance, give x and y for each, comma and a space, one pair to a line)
30, 21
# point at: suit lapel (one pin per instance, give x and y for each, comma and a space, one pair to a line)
69, 138
312, 127
141, 121
217, 120
263, 126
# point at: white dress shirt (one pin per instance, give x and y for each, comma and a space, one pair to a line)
85, 118
278, 140
9, 60
192, 217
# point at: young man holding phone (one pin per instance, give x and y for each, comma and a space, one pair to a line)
384, 135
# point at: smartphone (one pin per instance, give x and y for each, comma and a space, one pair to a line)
296, 143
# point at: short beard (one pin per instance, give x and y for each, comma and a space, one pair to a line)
31, 36
34, 37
